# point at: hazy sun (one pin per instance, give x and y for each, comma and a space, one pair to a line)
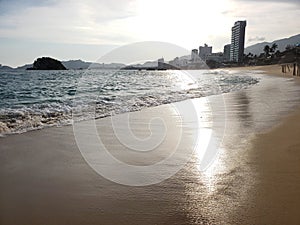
180, 22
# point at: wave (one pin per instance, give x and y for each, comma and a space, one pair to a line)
105, 95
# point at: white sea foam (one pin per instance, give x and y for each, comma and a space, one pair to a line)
34, 100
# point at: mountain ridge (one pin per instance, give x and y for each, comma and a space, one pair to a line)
258, 48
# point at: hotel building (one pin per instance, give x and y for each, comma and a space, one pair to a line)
238, 41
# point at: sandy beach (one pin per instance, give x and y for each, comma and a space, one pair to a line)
277, 155
255, 178
274, 70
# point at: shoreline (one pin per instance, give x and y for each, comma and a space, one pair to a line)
275, 154
273, 70
274, 159
45, 180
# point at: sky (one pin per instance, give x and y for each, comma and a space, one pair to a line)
89, 29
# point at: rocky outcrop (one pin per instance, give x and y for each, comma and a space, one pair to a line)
47, 63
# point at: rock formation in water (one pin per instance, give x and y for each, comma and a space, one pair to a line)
47, 63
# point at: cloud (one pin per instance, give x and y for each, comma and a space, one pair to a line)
227, 12
118, 22
295, 2
271, 21
67, 21
256, 39
9, 6
102, 8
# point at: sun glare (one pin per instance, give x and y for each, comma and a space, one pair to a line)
181, 22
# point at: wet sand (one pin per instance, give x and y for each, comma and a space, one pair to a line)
276, 156
45, 180
254, 179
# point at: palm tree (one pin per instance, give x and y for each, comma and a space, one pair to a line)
267, 50
273, 47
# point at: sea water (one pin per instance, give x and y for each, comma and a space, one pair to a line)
32, 100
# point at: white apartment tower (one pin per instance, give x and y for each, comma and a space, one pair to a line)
238, 41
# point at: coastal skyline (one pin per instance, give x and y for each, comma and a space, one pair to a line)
90, 29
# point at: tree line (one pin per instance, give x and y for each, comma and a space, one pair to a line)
271, 55
270, 50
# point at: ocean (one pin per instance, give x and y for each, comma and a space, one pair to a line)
33, 100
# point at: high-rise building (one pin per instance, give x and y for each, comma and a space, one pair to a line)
194, 55
227, 52
217, 57
204, 51
238, 41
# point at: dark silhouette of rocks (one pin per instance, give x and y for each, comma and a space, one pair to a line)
24, 67
76, 64
47, 63
5, 67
